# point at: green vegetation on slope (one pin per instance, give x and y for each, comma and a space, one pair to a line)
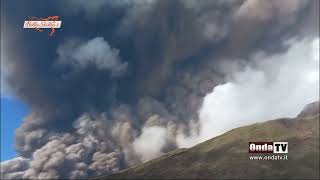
227, 156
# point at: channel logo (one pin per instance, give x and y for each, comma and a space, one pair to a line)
268, 147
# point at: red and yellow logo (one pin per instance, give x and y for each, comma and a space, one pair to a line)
39, 24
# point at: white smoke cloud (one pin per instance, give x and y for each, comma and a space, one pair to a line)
95, 52
149, 144
271, 87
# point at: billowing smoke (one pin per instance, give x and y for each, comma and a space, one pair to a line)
14, 168
123, 82
150, 143
95, 52
269, 87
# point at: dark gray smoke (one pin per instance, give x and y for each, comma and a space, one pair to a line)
121, 80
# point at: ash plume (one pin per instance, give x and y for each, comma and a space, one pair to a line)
95, 52
122, 81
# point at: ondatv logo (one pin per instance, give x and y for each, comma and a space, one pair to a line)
268, 147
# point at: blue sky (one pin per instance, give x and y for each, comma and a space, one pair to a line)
12, 113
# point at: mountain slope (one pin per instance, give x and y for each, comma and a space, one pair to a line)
227, 156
